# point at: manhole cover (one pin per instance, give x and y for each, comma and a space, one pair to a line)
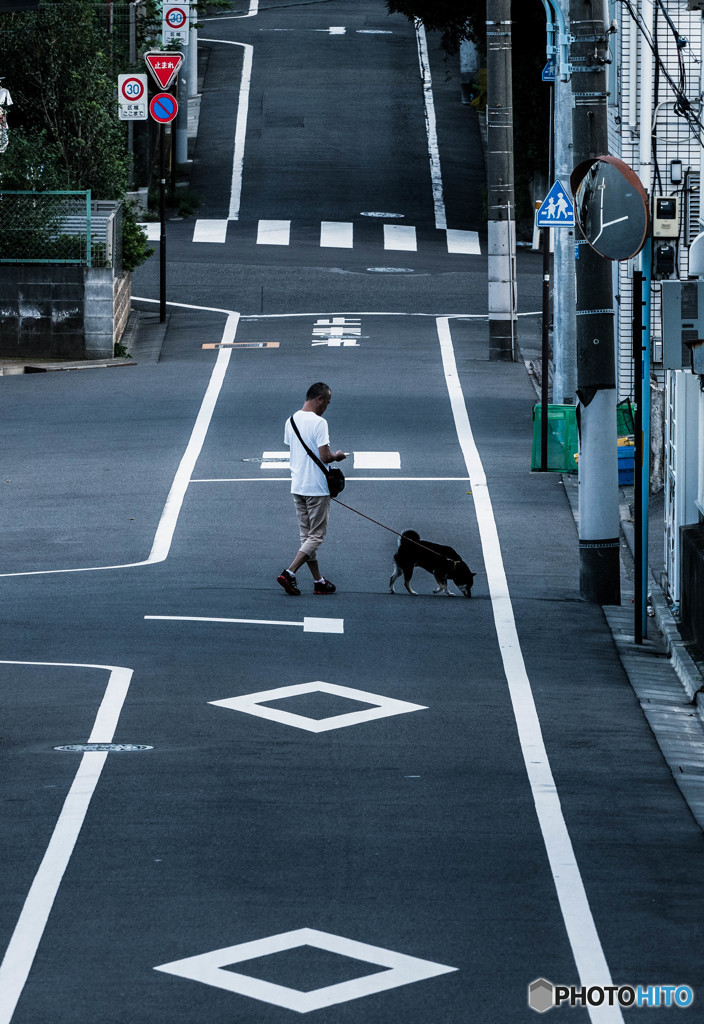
113, 748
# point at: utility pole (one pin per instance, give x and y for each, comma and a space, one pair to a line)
502, 210
564, 386
599, 521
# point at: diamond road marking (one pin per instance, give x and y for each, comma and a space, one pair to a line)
208, 969
253, 704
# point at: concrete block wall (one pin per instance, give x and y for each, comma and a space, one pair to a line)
41, 311
50, 311
122, 304
99, 293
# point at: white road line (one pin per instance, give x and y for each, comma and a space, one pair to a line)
400, 236
210, 231
170, 513
576, 912
431, 127
466, 242
394, 479
310, 625
30, 926
274, 232
251, 13
336, 234
240, 123
355, 313
152, 230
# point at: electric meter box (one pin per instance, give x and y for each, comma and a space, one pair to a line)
682, 324
666, 217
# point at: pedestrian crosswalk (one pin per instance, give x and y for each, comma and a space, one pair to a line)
330, 235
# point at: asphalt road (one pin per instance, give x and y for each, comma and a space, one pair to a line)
366, 807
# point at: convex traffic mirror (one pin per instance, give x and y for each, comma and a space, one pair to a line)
611, 207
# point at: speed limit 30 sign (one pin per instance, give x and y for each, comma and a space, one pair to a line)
175, 21
132, 97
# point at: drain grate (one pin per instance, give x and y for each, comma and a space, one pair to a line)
113, 748
242, 344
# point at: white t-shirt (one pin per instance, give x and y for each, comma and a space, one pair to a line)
306, 476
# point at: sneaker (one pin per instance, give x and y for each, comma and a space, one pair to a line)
288, 582
324, 587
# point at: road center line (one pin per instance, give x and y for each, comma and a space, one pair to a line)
385, 479
170, 513
30, 926
576, 912
431, 126
240, 123
309, 624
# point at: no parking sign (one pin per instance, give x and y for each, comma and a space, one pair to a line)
163, 107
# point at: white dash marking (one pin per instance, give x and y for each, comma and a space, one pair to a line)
274, 232
336, 234
377, 460
152, 229
400, 236
210, 231
463, 242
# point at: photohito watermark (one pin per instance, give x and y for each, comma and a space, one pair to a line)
543, 995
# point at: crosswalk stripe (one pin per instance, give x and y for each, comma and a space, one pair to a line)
400, 236
152, 229
274, 232
463, 242
210, 231
335, 234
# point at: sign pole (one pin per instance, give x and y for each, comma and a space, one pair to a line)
638, 589
545, 232
162, 235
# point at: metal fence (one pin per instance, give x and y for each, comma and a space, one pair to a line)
60, 227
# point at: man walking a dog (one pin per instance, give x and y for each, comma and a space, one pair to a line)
309, 486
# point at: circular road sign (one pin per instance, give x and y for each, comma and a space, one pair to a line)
175, 17
611, 207
163, 107
132, 89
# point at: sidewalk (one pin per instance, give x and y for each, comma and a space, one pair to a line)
666, 675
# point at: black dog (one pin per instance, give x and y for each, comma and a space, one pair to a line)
443, 562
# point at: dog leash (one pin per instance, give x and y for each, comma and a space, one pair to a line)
377, 523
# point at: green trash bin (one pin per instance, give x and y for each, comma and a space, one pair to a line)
562, 438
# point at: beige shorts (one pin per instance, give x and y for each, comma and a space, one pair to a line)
312, 511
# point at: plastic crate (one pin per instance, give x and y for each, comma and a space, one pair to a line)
562, 438
625, 418
626, 464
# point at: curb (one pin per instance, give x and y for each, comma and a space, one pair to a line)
682, 662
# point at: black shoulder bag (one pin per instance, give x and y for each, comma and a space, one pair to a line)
335, 477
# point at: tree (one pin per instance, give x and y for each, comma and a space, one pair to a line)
65, 132
466, 19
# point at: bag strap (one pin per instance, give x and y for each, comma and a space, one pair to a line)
315, 458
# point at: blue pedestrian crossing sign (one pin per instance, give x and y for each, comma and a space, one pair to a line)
549, 73
557, 209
